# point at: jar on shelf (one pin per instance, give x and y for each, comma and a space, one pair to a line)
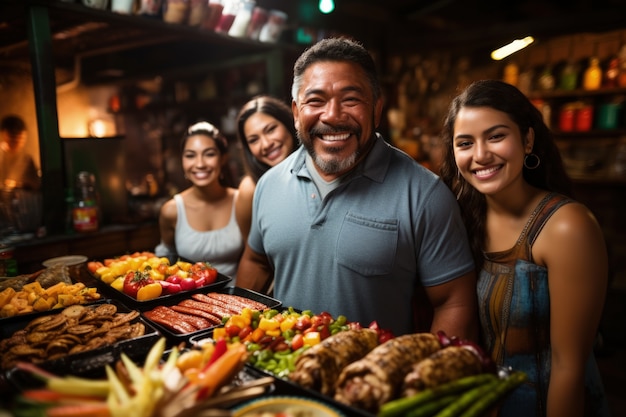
176, 11
566, 117
259, 18
583, 120
242, 19
197, 11
229, 12
592, 79
273, 28
213, 14
609, 114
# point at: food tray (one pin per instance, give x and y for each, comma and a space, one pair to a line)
91, 363
220, 282
185, 337
7, 323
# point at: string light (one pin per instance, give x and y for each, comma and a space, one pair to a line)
511, 48
326, 6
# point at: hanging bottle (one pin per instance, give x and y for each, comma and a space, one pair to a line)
592, 79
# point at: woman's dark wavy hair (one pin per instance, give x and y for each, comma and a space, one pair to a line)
549, 175
272, 107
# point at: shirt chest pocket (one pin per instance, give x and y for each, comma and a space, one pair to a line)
367, 246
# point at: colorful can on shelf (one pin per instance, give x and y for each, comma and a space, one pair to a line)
584, 118
566, 118
608, 115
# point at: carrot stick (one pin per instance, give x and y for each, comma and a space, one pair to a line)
221, 371
45, 395
79, 410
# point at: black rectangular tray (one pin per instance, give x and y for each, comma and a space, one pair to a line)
91, 363
220, 282
9, 323
185, 337
286, 387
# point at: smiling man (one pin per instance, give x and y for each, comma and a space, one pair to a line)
350, 225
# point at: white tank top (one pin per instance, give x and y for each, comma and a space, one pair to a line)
221, 247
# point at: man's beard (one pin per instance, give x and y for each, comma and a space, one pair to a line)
334, 164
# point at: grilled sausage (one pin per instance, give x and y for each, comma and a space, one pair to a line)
238, 301
200, 306
377, 378
445, 365
193, 312
159, 316
220, 308
319, 366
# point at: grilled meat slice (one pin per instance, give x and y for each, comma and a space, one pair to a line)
319, 366
445, 365
377, 378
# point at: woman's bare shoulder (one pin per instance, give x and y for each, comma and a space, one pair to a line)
247, 186
168, 209
572, 229
571, 220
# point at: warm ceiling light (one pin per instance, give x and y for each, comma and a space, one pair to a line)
511, 48
326, 6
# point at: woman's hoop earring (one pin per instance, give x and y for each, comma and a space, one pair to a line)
534, 161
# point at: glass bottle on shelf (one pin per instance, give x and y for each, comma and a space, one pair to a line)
511, 74
592, 79
611, 74
525, 80
569, 77
86, 212
546, 81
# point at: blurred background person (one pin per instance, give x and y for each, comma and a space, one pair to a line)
199, 223
267, 134
17, 168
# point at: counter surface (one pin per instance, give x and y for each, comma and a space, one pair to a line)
109, 241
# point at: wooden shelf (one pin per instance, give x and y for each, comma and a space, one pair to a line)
578, 93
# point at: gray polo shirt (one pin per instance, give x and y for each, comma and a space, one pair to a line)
390, 226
